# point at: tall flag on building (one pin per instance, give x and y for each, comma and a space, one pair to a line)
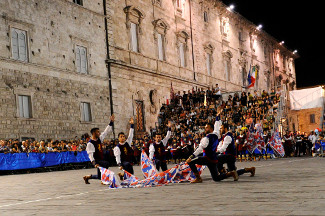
276, 143
167, 100
147, 167
252, 76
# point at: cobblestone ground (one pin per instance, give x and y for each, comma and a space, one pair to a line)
292, 186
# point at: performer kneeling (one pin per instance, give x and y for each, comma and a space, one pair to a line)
95, 151
157, 150
226, 152
208, 146
123, 152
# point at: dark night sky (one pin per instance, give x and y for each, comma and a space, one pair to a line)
299, 24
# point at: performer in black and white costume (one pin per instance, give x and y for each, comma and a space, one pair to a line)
157, 150
95, 150
123, 152
226, 151
208, 146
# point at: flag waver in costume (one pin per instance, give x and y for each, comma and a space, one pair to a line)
123, 152
227, 152
208, 146
95, 151
157, 150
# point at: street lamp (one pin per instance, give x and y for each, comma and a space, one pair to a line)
231, 7
259, 27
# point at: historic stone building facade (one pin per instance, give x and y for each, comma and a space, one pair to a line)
191, 44
55, 72
53, 77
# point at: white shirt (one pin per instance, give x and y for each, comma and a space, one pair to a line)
205, 141
223, 145
90, 147
117, 151
164, 141
312, 138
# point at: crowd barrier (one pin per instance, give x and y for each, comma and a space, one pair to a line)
18, 161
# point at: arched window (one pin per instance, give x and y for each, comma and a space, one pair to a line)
133, 23
182, 38
160, 27
208, 48
227, 64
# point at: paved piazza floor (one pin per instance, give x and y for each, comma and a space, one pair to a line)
291, 186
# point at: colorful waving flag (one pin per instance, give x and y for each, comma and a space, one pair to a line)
276, 144
185, 173
129, 178
252, 76
147, 167
176, 174
250, 139
108, 178
259, 137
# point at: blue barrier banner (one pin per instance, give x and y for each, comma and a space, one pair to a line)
19, 161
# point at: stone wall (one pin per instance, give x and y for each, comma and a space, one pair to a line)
54, 28
300, 120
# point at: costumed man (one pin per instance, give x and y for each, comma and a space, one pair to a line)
287, 144
95, 150
241, 146
123, 152
208, 146
157, 150
298, 144
226, 151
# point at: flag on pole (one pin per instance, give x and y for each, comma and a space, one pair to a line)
276, 144
205, 99
252, 76
259, 137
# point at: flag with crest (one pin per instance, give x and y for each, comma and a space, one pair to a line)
276, 144
147, 166
108, 178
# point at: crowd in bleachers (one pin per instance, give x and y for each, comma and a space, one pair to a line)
189, 112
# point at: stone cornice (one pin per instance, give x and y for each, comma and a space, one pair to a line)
189, 81
67, 72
